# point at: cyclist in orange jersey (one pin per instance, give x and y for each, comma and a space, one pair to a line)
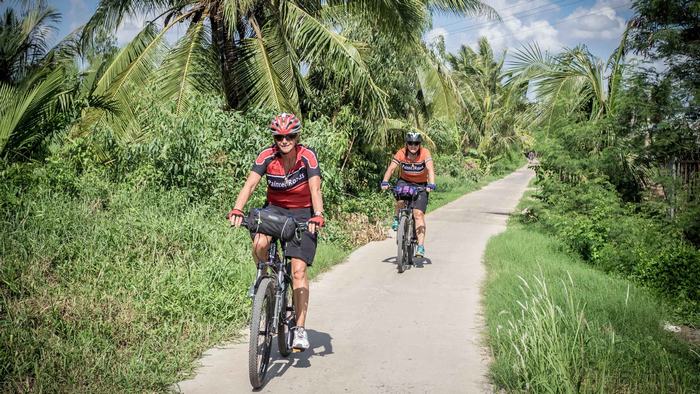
415, 168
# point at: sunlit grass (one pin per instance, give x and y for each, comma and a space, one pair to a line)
557, 325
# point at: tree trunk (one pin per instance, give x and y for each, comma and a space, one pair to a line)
226, 51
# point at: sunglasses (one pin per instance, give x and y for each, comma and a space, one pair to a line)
413, 143
288, 137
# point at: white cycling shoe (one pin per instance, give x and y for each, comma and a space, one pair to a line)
301, 341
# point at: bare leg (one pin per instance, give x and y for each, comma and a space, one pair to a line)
261, 246
419, 216
300, 283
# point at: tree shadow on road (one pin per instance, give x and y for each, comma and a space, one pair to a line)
321, 343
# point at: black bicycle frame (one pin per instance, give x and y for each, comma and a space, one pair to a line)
279, 272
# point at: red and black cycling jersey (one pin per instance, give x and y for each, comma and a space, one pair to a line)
288, 189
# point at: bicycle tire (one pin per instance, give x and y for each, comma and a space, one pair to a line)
409, 247
401, 244
287, 321
261, 326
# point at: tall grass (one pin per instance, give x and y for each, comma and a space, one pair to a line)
557, 325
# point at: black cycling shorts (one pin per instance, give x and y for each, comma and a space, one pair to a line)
304, 248
421, 202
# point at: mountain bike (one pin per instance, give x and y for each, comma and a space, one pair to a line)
406, 240
273, 310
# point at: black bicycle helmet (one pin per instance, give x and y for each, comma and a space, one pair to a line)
414, 136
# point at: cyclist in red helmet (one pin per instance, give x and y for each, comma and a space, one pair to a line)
293, 189
416, 168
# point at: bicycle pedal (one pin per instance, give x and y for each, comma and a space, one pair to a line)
295, 350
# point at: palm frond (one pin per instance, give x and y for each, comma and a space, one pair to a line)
23, 110
110, 13
440, 93
235, 12
135, 61
258, 75
318, 43
131, 67
66, 51
530, 62
189, 67
463, 8
37, 26
616, 66
399, 21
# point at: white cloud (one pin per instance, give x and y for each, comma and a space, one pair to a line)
598, 22
516, 33
522, 23
599, 25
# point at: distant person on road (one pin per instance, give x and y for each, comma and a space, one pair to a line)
416, 168
293, 189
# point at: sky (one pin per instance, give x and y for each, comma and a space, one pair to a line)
553, 24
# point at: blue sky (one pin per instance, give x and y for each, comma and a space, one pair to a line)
553, 24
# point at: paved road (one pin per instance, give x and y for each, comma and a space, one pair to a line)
376, 331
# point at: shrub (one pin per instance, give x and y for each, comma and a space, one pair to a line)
591, 219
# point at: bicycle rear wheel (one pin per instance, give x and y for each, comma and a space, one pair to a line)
401, 235
261, 332
287, 321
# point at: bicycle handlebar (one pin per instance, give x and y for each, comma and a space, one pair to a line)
300, 226
419, 188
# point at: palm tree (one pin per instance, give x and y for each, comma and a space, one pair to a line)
23, 40
255, 50
421, 90
32, 88
573, 80
496, 113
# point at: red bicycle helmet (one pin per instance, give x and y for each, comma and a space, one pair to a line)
284, 124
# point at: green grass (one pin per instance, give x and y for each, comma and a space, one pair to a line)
119, 299
116, 288
558, 325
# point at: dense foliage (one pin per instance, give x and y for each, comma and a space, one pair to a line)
621, 188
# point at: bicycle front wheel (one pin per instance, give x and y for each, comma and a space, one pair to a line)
409, 247
401, 236
261, 332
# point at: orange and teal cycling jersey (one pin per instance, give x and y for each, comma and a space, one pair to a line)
413, 170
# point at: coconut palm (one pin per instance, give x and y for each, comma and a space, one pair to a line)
573, 80
32, 88
496, 113
255, 50
23, 40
